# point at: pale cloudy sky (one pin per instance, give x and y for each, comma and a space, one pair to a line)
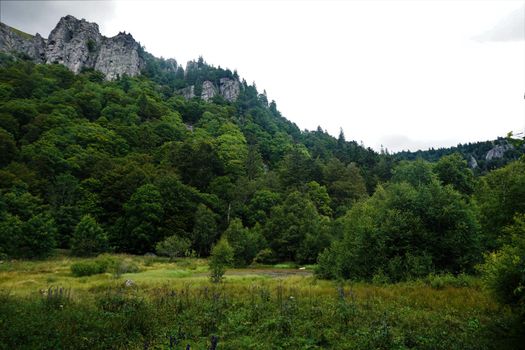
406, 75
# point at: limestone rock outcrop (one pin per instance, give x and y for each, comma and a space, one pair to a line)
77, 44
74, 43
208, 90
14, 41
229, 89
498, 151
119, 55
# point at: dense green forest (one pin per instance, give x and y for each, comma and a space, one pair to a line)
130, 166
137, 163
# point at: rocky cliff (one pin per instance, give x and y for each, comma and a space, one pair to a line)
77, 44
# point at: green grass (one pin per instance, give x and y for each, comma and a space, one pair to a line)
255, 308
21, 33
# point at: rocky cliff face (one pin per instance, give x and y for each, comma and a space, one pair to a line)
119, 55
78, 44
227, 88
13, 41
498, 151
208, 90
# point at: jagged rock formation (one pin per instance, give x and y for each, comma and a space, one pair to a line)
188, 92
77, 44
229, 89
208, 90
14, 41
498, 151
74, 43
472, 163
119, 55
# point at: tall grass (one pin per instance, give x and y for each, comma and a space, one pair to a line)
296, 312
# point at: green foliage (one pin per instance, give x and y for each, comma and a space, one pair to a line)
88, 268
295, 230
416, 173
222, 255
246, 243
453, 170
138, 231
89, 238
26, 231
104, 263
503, 270
504, 273
405, 232
500, 196
204, 230
173, 246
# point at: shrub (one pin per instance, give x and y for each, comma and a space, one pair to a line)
440, 281
104, 263
125, 266
173, 246
89, 238
503, 271
265, 256
504, 275
221, 256
88, 268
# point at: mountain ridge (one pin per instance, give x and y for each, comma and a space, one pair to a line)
79, 45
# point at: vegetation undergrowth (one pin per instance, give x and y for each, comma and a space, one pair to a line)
175, 303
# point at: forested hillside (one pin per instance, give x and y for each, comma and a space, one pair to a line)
481, 156
145, 164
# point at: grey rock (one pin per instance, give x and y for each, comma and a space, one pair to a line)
229, 89
472, 163
12, 42
498, 151
119, 56
208, 90
78, 44
74, 43
129, 283
188, 92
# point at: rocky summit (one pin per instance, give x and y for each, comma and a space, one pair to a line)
78, 45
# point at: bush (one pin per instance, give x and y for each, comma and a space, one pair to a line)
104, 263
265, 256
88, 268
125, 266
440, 281
504, 274
503, 271
173, 247
221, 256
89, 238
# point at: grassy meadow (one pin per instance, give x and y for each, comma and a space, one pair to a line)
170, 305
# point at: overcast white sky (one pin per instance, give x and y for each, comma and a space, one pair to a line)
406, 75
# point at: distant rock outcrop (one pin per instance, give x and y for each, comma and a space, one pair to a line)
472, 163
77, 44
229, 89
14, 41
498, 151
208, 90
